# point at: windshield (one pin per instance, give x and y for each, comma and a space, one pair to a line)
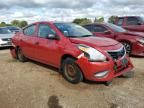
116, 28
73, 30
4, 31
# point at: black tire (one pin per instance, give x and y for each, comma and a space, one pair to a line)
20, 55
108, 83
71, 72
128, 47
128, 74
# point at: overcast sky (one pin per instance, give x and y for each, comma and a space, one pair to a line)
67, 10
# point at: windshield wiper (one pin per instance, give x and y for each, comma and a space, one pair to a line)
71, 36
79, 36
86, 35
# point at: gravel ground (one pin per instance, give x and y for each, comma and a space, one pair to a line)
33, 85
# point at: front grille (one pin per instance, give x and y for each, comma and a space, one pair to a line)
6, 39
115, 54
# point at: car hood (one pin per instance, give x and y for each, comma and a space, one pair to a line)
6, 35
95, 41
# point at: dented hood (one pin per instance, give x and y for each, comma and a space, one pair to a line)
95, 41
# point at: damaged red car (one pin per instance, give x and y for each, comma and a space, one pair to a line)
72, 49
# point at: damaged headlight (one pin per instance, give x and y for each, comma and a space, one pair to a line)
91, 53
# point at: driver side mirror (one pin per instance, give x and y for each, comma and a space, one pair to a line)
52, 37
107, 32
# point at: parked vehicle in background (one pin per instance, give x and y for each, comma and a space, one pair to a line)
131, 23
133, 42
72, 49
5, 37
13, 29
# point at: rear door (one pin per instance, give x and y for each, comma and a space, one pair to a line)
28, 41
102, 31
47, 50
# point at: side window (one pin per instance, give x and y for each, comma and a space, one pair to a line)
98, 28
88, 27
29, 30
44, 30
120, 21
132, 21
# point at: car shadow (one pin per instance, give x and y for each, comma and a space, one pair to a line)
46, 66
134, 56
4, 48
56, 70
92, 82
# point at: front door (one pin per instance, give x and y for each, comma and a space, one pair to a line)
47, 50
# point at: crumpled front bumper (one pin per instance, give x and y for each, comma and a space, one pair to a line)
114, 68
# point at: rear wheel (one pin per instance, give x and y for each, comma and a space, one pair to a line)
21, 56
71, 71
127, 47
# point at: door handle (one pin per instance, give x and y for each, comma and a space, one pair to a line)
36, 43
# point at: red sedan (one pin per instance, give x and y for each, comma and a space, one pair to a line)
133, 42
72, 49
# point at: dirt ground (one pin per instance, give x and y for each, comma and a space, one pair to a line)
33, 85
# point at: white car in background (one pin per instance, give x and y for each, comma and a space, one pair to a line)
5, 37
14, 29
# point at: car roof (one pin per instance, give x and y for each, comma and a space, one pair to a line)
51, 22
127, 16
96, 23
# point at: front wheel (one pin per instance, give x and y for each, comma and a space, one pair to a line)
127, 47
71, 71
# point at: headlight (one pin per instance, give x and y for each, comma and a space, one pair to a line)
141, 41
91, 53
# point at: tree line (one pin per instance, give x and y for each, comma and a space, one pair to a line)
17, 23
83, 21
80, 21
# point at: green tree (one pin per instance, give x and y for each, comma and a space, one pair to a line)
112, 19
101, 19
82, 21
2, 24
15, 22
22, 24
